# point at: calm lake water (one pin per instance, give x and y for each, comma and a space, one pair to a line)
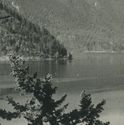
99, 74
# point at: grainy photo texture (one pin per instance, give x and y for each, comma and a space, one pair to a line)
61, 62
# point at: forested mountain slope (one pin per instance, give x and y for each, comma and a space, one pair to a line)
80, 24
21, 35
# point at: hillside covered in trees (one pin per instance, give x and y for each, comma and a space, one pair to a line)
24, 37
82, 25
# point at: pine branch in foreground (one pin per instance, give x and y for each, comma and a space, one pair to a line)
41, 107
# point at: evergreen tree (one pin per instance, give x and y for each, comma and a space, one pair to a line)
42, 105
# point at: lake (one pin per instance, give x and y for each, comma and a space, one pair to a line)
101, 74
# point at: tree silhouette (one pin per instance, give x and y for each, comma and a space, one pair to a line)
42, 104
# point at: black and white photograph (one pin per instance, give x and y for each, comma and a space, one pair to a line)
61, 62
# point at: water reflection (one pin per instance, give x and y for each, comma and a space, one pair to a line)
62, 62
98, 70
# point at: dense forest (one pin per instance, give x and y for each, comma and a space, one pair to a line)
24, 37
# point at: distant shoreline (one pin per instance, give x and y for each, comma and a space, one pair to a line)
31, 58
76, 55
103, 52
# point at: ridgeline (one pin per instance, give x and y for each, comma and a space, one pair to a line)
82, 25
